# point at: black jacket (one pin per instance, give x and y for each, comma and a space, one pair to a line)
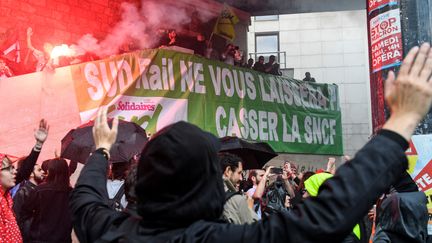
403, 215
22, 195
48, 209
27, 166
342, 202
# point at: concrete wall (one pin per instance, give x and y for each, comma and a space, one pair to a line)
59, 21
269, 7
333, 47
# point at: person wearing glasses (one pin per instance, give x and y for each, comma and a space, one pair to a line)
9, 177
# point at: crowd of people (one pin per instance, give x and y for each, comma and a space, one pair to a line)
180, 188
202, 44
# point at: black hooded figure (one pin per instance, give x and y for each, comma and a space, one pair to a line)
403, 214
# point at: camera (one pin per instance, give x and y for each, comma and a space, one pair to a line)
276, 170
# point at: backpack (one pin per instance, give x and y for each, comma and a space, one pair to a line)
115, 202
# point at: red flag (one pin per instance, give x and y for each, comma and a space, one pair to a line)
10, 48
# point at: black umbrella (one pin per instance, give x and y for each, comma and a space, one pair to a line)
254, 155
78, 143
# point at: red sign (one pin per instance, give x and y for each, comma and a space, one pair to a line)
411, 150
376, 4
386, 40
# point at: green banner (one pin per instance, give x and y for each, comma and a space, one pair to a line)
157, 87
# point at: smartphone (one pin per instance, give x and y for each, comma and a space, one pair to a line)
276, 170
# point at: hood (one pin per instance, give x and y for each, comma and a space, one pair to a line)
314, 182
179, 180
404, 217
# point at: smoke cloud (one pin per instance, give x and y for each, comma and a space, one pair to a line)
140, 25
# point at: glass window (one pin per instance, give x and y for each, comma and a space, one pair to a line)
267, 18
267, 44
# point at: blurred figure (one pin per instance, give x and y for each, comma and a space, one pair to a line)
308, 78
250, 63
272, 67
200, 45
228, 56
238, 57
27, 187
171, 38
259, 66
275, 198
301, 188
48, 206
130, 183
258, 178
115, 185
402, 215
5, 71
43, 57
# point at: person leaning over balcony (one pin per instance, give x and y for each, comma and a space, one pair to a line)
189, 209
259, 65
43, 57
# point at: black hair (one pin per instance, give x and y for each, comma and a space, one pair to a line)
229, 160
252, 173
130, 182
119, 170
58, 173
305, 176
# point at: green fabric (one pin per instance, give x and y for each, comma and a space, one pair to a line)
356, 231
155, 88
312, 186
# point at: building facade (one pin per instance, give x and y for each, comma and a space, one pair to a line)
332, 46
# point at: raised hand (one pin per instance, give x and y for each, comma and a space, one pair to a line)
29, 31
409, 96
103, 135
41, 133
331, 165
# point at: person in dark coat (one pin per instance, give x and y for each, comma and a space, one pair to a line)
48, 206
259, 65
403, 214
27, 187
180, 191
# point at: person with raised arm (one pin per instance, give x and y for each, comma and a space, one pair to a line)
9, 177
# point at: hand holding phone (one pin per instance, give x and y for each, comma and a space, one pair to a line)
276, 170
